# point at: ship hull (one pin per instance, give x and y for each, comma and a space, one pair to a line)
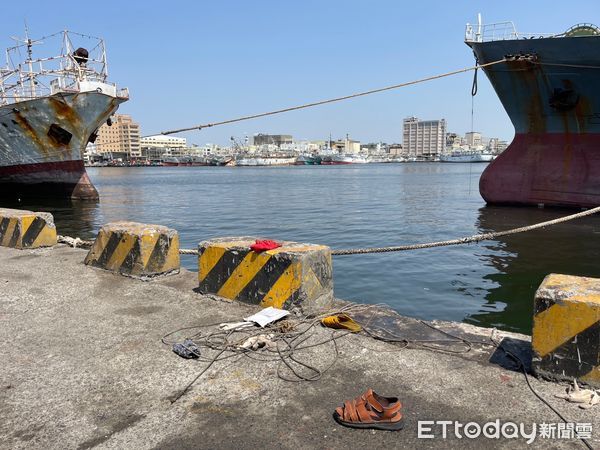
42, 142
265, 162
475, 158
554, 105
551, 169
65, 179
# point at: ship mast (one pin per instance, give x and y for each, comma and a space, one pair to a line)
29, 62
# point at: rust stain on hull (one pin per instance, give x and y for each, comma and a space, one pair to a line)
65, 112
29, 131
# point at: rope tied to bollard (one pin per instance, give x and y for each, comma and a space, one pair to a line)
458, 241
74, 242
77, 242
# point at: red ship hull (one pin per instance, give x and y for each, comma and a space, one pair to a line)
557, 169
51, 179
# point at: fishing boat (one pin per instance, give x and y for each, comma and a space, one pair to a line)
170, 161
307, 160
466, 156
348, 159
549, 85
51, 107
199, 161
266, 161
220, 160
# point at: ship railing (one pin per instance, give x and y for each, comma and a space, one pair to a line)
123, 93
500, 31
36, 77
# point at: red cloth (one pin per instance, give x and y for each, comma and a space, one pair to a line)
261, 246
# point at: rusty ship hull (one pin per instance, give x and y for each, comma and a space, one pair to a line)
550, 88
42, 141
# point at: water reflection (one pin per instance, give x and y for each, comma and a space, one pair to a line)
491, 283
520, 262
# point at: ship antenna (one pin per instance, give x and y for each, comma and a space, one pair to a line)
29, 61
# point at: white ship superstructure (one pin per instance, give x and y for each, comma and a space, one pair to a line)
50, 108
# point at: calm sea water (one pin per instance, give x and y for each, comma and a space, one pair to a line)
488, 284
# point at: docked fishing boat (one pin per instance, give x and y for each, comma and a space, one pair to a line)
377, 160
266, 161
549, 84
199, 161
346, 159
220, 160
466, 156
170, 161
308, 160
50, 108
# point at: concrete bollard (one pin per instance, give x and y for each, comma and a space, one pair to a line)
292, 275
136, 250
566, 329
26, 229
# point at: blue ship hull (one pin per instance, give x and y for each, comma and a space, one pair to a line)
550, 88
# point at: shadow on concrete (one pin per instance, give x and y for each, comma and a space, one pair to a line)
511, 353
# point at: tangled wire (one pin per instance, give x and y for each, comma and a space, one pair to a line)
290, 337
287, 340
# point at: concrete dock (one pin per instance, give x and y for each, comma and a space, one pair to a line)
83, 366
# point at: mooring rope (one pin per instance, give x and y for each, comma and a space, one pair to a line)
318, 103
188, 251
469, 239
332, 100
77, 242
74, 242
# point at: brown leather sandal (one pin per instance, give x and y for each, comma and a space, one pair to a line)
371, 410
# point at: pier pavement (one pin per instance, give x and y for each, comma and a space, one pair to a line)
83, 367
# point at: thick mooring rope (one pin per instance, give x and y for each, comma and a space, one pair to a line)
76, 242
188, 251
332, 100
466, 240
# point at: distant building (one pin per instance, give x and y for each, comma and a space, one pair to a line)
496, 146
453, 140
473, 139
121, 139
374, 148
423, 138
346, 146
395, 149
272, 139
162, 141
155, 148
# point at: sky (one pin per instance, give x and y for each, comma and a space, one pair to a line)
193, 62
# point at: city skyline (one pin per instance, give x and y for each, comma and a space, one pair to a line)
221, 61
119, 139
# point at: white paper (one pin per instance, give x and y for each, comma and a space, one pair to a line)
267, 316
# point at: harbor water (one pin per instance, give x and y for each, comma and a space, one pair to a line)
490, 284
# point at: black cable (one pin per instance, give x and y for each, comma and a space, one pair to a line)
296, 339
519, 361
189, 385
